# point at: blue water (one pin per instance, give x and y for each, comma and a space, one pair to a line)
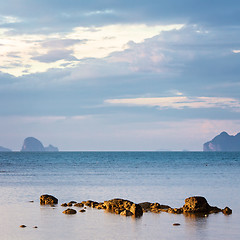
164, 177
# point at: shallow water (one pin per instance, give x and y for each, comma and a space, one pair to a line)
164, 177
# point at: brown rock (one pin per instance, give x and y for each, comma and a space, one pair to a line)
78, 205
146, 206
88, 203
22, 226
214, 210
48, 199
64, 204
94, 204
176, 224
126, 213
72, 202
196, 204
69, 204
136, 210
70, 211
82, 210
227, 211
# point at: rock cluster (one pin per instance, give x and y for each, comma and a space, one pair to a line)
193, 205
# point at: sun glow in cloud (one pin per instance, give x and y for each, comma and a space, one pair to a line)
25, 54
179, 102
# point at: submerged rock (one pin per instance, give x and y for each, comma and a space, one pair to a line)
69, 211
48, 199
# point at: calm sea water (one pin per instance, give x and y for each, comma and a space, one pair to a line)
164, 177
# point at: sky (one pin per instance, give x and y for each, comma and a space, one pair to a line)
119, 75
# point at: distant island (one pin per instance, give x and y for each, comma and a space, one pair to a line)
223, 142
32, 144
3, 149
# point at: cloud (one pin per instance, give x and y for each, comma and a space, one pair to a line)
179, 102
56, 55
80, 43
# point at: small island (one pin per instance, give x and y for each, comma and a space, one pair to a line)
32, 144
223, 143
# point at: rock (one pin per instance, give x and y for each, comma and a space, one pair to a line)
3, 149
94, 204
69, 211
196, 204
32, 144
223, 142
22, 226
126, 213
82, 210
64, 204
227, 211
78, 205
214, 210
136, 210
48, 199
69, 204
146, 206
35, 227
176, 224
88, 203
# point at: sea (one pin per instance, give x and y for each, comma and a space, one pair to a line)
164, 177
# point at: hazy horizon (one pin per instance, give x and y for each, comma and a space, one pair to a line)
115, 76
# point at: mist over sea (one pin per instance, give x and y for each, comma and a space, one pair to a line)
164, 177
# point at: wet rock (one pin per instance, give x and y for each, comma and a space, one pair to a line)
82, 210
78, 205
22, 226
196, 204
176, 224
48, 199
136, 210
70, 211
69, 204
35, 227
101, 206
94, 204
123, 207
146, 206
227, 211
64, 204
88, 203
214, 210
73, 202
175, 210
126, 213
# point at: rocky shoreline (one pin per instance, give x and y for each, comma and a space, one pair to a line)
193, 205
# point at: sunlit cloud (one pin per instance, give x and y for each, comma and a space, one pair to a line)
39, 53
179, 102
236, 51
